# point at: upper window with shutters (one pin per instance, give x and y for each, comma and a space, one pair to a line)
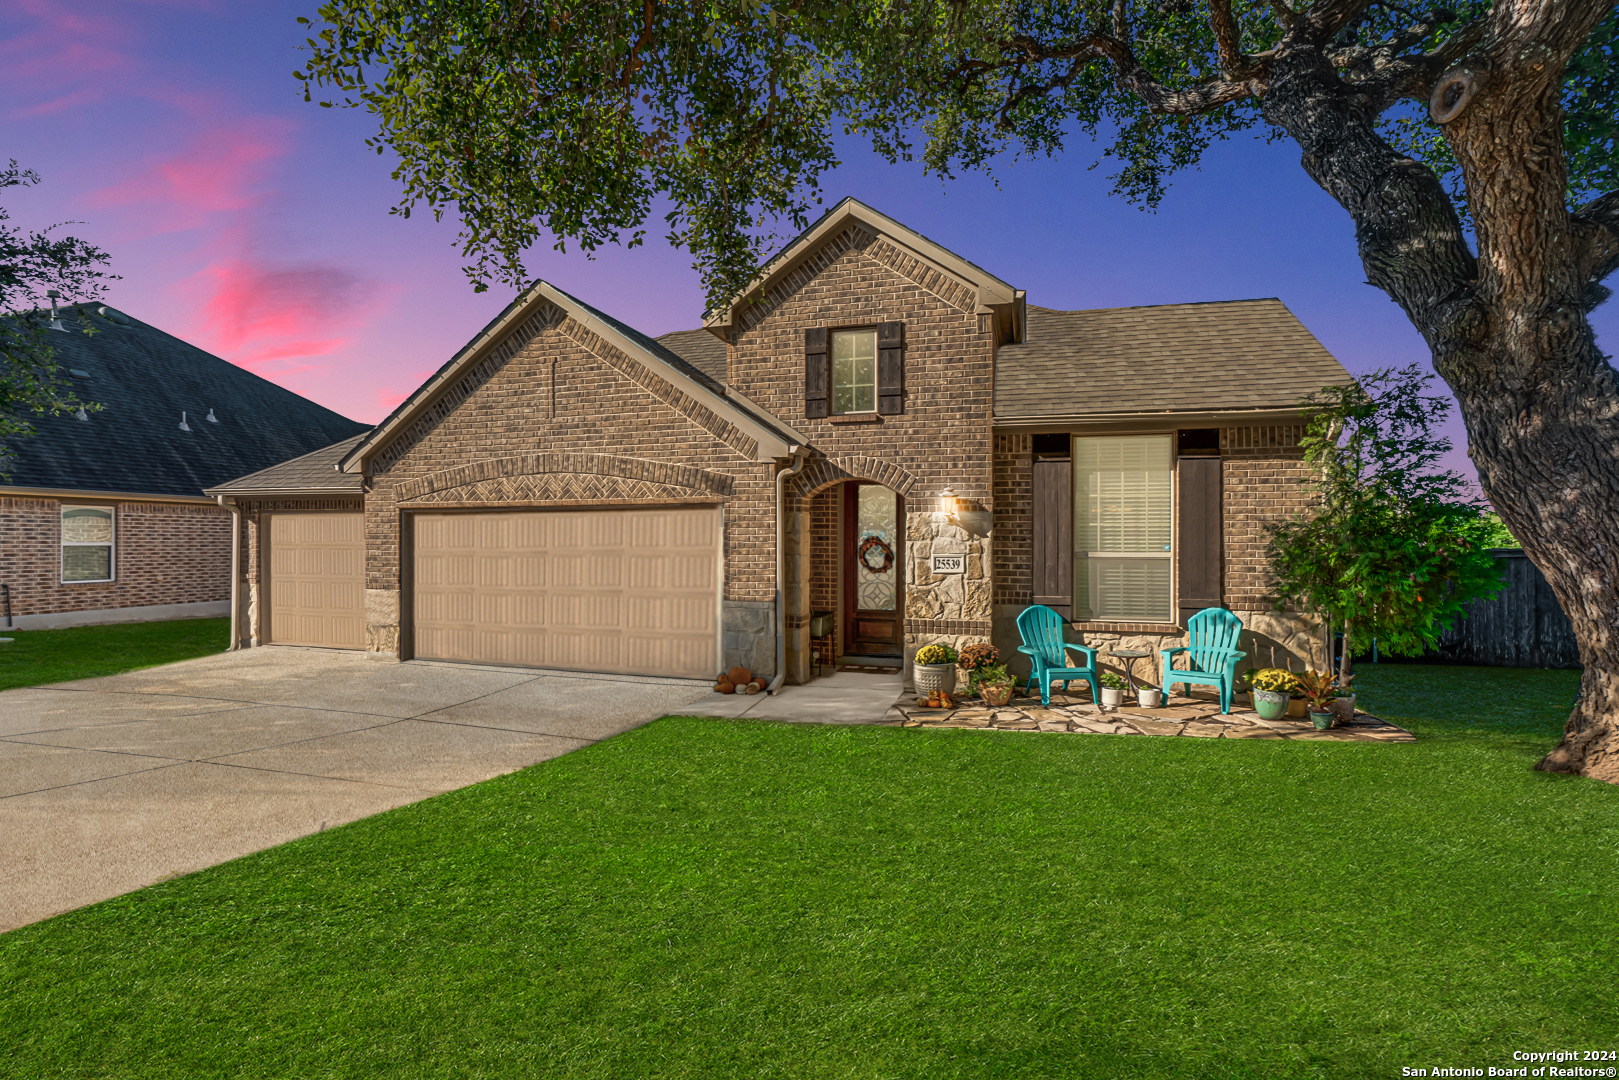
854, 371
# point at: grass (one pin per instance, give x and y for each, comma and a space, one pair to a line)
39, 657
704, 898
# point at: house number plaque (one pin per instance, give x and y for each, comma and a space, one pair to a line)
949, 564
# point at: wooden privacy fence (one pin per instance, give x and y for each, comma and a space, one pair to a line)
1523, 626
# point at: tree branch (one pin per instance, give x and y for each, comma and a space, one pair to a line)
1595, 229
1227, 40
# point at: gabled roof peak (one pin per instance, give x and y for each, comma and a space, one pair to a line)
992, 295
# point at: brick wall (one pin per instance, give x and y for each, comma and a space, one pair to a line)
826, 541
1014, 519
166, 553
1261, 470
564, 390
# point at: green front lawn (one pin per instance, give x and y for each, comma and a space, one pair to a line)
707, 898
38, 657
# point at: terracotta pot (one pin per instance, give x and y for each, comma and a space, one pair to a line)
996, 695
931, 677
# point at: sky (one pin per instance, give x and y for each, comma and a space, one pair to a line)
256, 226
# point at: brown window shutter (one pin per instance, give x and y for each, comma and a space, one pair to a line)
1198, 539
891, 368
815, 372
1053, 583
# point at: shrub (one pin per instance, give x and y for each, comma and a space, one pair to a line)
977, 657
992, 675
1114, 681
937, 653
1275, 680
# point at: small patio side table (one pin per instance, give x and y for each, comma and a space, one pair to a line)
1130, 656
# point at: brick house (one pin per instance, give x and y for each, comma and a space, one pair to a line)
884, 436
102, 514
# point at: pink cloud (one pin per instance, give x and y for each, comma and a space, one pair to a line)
222, 170
65, 46
388, 400
261, 315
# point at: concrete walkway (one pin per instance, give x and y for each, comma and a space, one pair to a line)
111, 784
848, 697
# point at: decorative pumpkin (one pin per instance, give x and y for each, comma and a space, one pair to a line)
725, 686
759, 681
751, 688
739, 675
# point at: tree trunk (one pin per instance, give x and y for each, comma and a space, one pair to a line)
1508, 332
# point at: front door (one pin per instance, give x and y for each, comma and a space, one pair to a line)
873, 584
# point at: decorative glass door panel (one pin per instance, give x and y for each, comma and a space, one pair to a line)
874, 527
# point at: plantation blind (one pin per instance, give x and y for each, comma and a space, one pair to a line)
1123, 528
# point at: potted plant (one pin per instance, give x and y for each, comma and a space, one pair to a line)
975, 658
1113, 688
1319, 689
1271, 689
1343, 706
1148, 697
934, 668
994, 684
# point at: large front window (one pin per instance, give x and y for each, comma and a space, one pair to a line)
87, 540
854, 371
1123, 525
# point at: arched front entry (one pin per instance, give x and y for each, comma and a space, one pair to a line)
872, 564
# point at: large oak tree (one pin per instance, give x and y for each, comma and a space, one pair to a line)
1472, 145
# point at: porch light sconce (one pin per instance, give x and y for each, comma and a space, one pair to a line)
947, 501
968, 514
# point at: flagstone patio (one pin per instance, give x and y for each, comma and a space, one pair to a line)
1197, 716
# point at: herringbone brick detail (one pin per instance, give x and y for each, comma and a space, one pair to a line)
559, 487
528, 466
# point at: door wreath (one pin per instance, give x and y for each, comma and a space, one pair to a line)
879, 545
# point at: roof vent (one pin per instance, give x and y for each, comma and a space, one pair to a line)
56, 320
183, 425
82, 415
211, 418
113, 315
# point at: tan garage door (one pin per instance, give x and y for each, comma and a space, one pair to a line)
317, 580
632, 591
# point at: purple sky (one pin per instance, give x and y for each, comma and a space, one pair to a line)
256, 226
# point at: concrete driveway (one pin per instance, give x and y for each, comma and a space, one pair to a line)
108, 785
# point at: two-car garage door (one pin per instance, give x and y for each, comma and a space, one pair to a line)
633, 591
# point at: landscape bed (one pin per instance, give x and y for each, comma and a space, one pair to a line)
728, 898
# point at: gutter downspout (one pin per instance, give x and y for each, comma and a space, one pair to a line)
799, 461
235, 572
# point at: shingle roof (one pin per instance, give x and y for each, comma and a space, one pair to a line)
144, 379
312, 473
1227, 355
700, 349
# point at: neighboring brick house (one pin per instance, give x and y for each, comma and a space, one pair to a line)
876, 430
102, 514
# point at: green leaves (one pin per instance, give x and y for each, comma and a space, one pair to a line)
1392, 549
30, 265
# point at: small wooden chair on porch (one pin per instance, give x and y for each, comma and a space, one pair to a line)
1211, 639
1041, 630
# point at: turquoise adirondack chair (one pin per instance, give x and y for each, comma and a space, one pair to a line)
1211, 641
1041, 630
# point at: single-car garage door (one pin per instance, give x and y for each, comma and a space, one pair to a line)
317, 580
631, 591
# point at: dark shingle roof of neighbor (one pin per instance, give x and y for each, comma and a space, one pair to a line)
144, 379
700, 349
312, 473
1212, 357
